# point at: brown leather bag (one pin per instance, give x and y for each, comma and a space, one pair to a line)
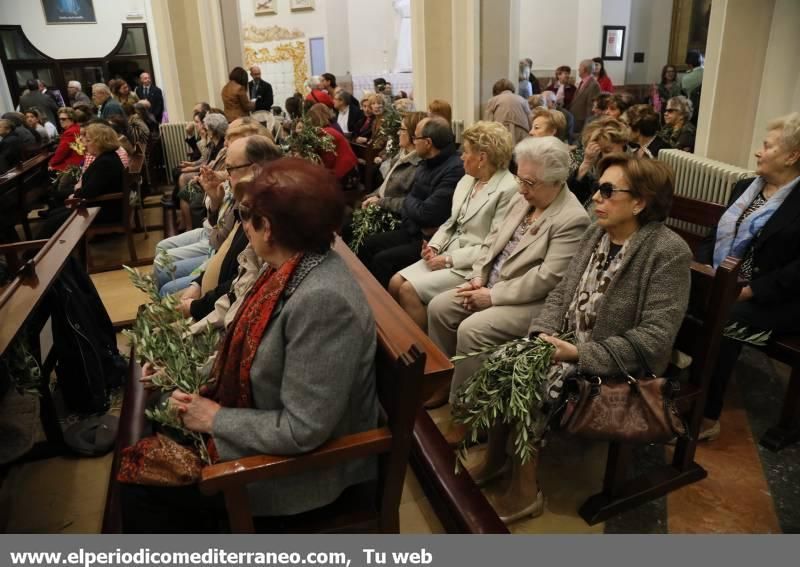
623, 408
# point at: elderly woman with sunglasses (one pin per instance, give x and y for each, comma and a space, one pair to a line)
678, 131
521, 260
628, 284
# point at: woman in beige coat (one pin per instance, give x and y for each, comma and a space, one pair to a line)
479, 204
520, 262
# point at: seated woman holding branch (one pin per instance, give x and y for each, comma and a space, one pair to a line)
304, 320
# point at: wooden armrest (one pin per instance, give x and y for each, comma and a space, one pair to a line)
107, 197
261, 467
22, 246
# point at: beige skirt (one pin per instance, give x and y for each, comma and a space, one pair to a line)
428, 284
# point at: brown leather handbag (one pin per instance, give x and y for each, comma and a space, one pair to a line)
623, 408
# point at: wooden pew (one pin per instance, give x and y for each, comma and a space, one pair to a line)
19, 301
712, 294
784, 349
403, 370
369, 170
458, 502
18, 180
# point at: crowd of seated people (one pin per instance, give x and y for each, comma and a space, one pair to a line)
511, 233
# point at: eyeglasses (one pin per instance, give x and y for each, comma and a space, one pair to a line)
670, 110
607, 190
230, 168
529, 183
62, 118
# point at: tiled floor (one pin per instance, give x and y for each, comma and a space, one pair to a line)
748, 490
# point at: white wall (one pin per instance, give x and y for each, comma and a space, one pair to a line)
568, 31
72, 41
617, 13
648, 33
547, 32
76, 41
360, 35
373, 38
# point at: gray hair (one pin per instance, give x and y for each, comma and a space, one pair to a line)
75, 84
586, 64
789, 126
216, 124
313, 82
550, 153
547, 96
683, 105
102, 87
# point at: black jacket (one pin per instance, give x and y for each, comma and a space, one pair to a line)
156, 98
262, 93
228, 271
10, 151
41, 101
105, 175
428, 203
776, 266
355, 118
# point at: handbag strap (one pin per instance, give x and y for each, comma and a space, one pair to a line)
640, 356
619, 363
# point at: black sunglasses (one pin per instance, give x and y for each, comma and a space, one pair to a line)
607, 190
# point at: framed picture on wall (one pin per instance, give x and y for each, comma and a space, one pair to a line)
266, 7
69, 11
298, 5
613, 43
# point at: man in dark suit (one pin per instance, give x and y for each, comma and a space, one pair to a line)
581, 106
260, 90
147, 90
348, 115
34, 98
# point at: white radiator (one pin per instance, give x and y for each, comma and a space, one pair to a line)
702, 179
173, 145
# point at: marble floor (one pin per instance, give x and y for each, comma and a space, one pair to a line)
748, 489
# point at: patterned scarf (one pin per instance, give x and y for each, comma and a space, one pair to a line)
599, 273
735, 242
230, 386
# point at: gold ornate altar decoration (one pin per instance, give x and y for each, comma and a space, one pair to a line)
294, 52
255, 34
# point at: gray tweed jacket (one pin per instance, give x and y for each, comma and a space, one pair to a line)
645, 302
313, 380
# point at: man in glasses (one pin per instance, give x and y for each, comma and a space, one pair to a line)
425, 207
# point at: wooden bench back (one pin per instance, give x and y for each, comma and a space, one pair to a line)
700, 213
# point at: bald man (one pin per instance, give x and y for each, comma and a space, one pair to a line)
260, 91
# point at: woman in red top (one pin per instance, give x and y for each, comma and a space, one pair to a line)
65, 156
599, 72
342, 161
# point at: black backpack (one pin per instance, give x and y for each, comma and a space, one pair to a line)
88, 363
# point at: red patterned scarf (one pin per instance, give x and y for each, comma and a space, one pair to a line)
230, 386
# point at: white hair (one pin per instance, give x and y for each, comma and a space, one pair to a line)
102, 87
75, 84
586, 64
547, 96
550, 153
314, 82
216, 124
789, 126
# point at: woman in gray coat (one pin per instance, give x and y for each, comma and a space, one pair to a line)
629, 282
296, 367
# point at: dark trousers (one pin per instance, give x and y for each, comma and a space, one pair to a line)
385, 253
171, 510
780, 319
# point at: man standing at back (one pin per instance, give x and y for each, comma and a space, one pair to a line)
34, 98
147, 90
425, 207
105, 103
589, 88
260, 91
